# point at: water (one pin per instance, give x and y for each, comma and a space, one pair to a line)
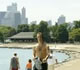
23, 54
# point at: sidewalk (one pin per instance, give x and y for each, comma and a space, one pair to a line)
71, 65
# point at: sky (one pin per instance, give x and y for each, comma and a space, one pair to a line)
46, 9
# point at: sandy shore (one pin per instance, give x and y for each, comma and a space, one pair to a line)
73, 49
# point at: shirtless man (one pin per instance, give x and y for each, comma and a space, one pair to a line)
41, 51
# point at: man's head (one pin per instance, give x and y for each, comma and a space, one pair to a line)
15, 54
40, 37
30, 61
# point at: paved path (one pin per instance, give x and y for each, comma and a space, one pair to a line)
72, 65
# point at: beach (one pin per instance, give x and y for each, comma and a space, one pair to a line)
73, 49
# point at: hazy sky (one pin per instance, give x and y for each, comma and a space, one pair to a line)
46, 9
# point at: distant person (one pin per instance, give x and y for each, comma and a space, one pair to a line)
29, 65
14, 65
52, 60
41, 53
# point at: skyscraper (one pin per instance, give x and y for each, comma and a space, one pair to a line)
2, 15
24, 20
49, 23
12, 17
23, 12
12, 8
61, 20
17, 19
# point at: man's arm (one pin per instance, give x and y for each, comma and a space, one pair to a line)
34, 53
48, 54
10, 64
18, 63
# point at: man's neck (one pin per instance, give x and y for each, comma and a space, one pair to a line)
40, 43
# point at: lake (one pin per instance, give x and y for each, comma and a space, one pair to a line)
24, 54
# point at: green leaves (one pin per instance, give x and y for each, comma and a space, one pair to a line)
62, 34
77, 24
23, 28
7, 31
32, 27
75, 35
1, 37
43, 27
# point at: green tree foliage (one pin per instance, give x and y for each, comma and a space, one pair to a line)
7, 31
43, 27
62, 34
74, 35
54, 32
58, 32
32, 27
76, 24
1, 37
11, 31
23, 28
66, 25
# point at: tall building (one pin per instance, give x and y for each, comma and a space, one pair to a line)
61, 20
12, 8
2, 15
17, 19
24, 20
12, 17
23, 12
49, 23
8, 20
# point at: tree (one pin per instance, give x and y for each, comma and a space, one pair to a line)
23, 28
32, 27
1, 37
74, 35
43, 27
62, 34
7, 31
11, 31
54, 32
76, 24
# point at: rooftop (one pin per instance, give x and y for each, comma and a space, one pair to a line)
23, 35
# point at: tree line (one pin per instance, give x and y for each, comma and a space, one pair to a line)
56, 33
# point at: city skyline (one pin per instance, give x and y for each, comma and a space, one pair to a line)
12, 17
46, 9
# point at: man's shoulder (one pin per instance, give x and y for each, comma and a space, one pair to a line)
47, 46
35, 45
13, 58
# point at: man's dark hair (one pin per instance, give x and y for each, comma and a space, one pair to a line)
30, 60
15, 54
